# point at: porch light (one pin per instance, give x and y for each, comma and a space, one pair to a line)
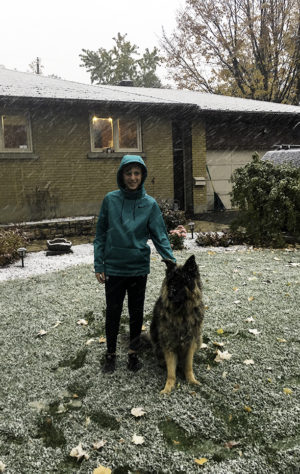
192, 228
22, 252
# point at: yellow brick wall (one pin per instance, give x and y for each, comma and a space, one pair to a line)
199, 164
63, 182
157, 141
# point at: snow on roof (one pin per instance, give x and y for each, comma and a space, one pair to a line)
22, 84
279, 157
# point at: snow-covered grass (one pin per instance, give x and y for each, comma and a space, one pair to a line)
243, 418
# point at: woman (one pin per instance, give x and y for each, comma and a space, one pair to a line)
127, 219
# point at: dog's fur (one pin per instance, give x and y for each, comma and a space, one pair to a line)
176, 327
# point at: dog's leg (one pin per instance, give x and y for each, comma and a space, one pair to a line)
171, 363
189, 373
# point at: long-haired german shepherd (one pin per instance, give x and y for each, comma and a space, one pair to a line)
176, 327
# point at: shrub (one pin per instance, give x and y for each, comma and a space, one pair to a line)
268, 198
220, 239
172, 218
10, 241
176, 237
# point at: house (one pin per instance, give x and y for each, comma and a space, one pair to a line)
61, 143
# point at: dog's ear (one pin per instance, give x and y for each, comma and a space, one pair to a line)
190, 265
170, 264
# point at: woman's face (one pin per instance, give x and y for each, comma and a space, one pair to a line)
132, 177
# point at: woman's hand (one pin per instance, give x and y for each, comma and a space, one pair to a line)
100, 277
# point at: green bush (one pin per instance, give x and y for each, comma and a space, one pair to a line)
268, 198
10, 241
172, 218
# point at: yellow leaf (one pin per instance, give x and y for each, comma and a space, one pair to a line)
287, 391
248, 409
201, 461
280, 339
251, 298
235, 288
144, 328
102, 470
102, 340
220, 331
211, 253
230, 418
175, 442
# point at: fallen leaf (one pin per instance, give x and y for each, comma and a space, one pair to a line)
102, 470
144, 328
224, 375
235, 288
208, 367
102, 339
218, 344
41, 333
249, 320
137, 412
237, 301
87, 421
287, 391
138, 439
231, 444
203, 346
82, 322
221, 356
248, 409
251, 298
280, 339
249, 361
254, 331
210, 252
278, 259
79, 453
90, 341
201, 461
252, 278
99, 444
236, 387
2, 466
220, 331
57, 324
175, 442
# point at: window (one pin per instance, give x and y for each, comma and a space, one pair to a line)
118, 134
15, 133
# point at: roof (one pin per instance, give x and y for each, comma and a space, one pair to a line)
29, 85
280, 157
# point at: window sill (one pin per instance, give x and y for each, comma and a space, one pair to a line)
98, 155
18, 156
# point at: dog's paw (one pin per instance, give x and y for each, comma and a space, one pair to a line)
168, 388
193, 381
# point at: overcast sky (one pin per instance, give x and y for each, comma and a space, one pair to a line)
57, 30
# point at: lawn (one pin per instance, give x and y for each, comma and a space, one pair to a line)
243, 418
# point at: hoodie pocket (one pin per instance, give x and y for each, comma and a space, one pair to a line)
120, 257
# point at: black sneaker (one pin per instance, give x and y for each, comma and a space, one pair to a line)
109, 365
133, 362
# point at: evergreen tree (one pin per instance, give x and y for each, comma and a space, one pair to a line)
122, 62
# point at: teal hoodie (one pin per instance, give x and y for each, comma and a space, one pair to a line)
126, 221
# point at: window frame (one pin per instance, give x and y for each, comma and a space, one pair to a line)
115, 119
23, 115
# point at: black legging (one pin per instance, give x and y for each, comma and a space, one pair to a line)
115, 291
